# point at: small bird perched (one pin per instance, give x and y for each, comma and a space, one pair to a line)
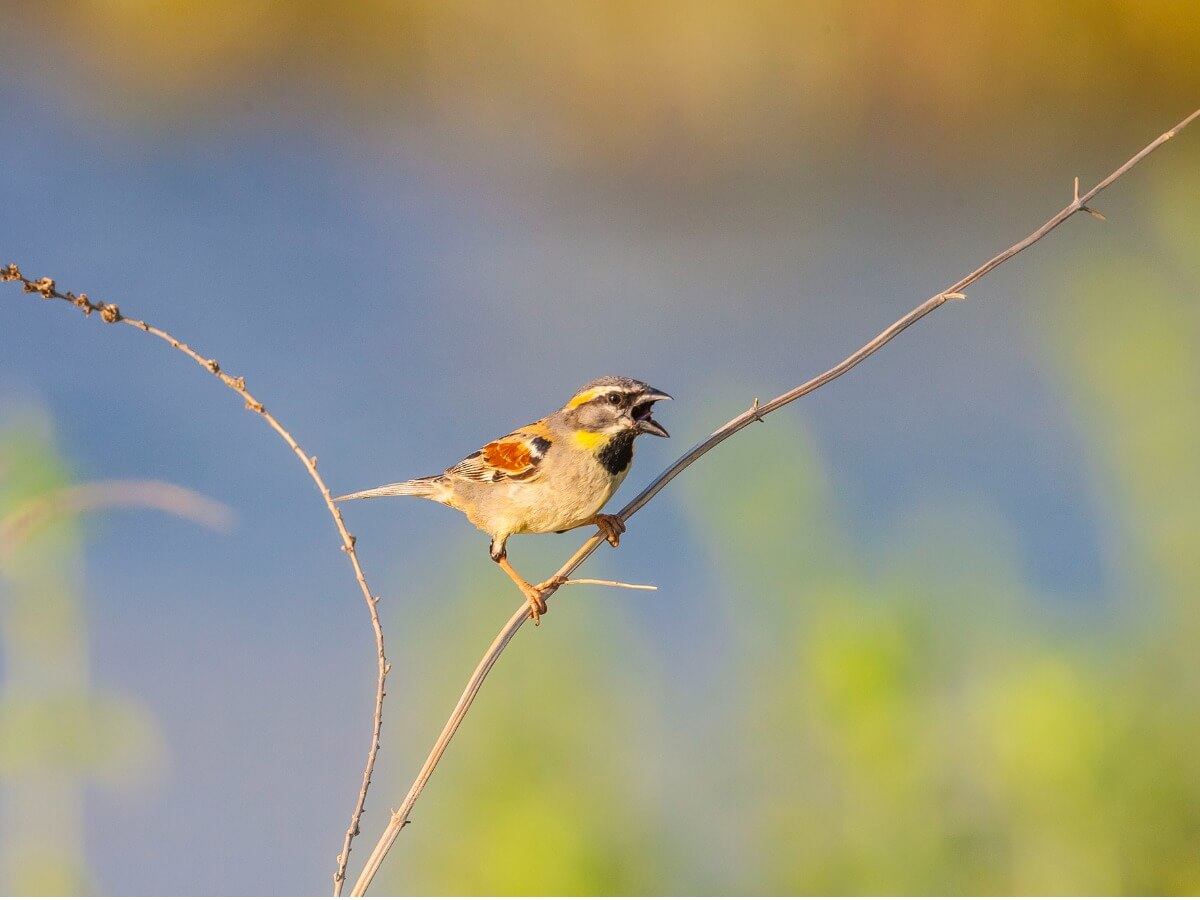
553, 475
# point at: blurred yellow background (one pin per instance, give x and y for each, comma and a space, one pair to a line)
932, 632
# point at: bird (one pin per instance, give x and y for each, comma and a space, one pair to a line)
550, 476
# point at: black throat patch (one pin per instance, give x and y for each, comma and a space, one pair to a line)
617, 454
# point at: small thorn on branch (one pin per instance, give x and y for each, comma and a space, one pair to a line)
956, 295
1076, 202
754, 411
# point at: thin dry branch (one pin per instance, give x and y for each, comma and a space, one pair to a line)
604, 582
755, 413
110, 313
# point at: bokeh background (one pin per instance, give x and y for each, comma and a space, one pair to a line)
932, 629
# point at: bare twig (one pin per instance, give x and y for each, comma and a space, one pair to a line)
111, 313
604, 582
754, 414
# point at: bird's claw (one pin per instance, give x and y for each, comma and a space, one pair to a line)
535, 594
537, 605
612, 527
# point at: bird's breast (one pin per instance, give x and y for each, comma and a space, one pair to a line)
568, 495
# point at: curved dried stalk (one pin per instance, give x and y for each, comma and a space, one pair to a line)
756, 413
22, 522
110, 313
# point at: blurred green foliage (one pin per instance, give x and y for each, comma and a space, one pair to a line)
910, 718
57, 733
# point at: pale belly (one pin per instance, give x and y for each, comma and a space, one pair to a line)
562, 503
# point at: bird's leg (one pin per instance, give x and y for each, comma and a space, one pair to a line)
612, 527
533, 593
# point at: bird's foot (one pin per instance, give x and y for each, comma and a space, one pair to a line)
612, 527
535, 594
537, 605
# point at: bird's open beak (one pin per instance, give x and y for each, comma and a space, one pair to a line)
641, 412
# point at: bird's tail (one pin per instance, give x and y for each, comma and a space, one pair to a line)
432, 487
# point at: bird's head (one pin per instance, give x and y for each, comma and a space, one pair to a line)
615, 405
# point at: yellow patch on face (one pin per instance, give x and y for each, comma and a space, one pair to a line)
584, 396
591, 440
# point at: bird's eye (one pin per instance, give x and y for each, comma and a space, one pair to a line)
614, 398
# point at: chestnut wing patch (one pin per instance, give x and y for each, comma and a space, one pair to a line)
514, 457
509, 457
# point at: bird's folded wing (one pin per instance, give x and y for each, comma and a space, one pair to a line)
514, 457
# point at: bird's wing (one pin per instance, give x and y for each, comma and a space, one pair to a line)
514, 457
